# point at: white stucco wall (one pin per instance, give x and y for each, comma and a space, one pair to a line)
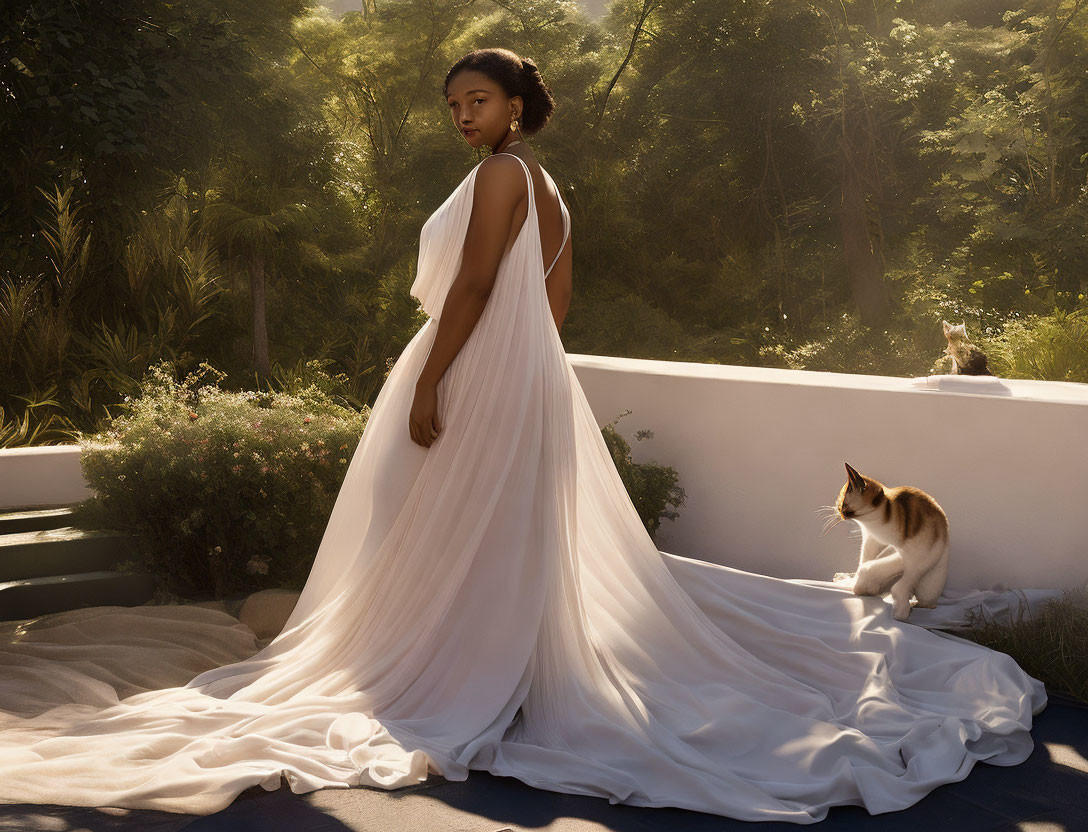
759, 450
47, 475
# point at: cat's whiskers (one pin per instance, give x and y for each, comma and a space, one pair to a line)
833, 516
830, 523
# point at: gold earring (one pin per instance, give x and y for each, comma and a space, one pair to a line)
514, 126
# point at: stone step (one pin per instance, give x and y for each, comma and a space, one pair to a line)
63, 551
32, 520
31, 597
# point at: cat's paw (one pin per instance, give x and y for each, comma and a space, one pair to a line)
863, 586
901, 613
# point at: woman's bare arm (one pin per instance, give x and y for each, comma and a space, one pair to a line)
499, 187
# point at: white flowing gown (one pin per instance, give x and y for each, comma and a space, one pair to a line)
495, 603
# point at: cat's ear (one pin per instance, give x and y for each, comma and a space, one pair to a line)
946, 326
856, 480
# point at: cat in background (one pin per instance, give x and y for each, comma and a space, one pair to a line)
967, 359
904, 542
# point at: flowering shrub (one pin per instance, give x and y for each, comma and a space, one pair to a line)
227, 492
230, 492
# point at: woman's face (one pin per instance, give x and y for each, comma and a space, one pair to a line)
480, 108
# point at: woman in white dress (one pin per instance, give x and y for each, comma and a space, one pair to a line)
485, 596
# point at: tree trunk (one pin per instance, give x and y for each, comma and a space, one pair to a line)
862, 263
260, 326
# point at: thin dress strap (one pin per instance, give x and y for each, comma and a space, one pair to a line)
529, 178
532, 205
566, 229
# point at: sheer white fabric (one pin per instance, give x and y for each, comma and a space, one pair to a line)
495, 603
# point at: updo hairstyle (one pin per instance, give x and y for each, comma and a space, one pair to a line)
517, 76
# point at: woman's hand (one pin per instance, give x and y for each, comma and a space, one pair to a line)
423, 422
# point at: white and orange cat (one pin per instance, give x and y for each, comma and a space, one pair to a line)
967, 358
904, 542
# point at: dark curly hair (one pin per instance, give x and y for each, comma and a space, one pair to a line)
517, 76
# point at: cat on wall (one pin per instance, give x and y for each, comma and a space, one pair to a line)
904, 542
967, 359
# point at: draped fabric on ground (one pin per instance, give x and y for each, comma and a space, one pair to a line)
495, 603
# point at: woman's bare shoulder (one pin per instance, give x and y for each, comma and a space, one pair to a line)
500, 181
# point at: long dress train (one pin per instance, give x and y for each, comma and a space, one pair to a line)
495, 603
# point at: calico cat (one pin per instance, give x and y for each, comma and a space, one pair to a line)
967, 359
904, 542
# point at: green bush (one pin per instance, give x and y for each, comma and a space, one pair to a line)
847, 346
42, 423
1051, 347
653, 488
225, 491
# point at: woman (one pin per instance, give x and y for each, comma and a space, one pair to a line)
486, 597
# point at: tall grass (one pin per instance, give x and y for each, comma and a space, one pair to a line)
1052, 645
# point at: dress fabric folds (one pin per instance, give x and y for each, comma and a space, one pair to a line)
495, 603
